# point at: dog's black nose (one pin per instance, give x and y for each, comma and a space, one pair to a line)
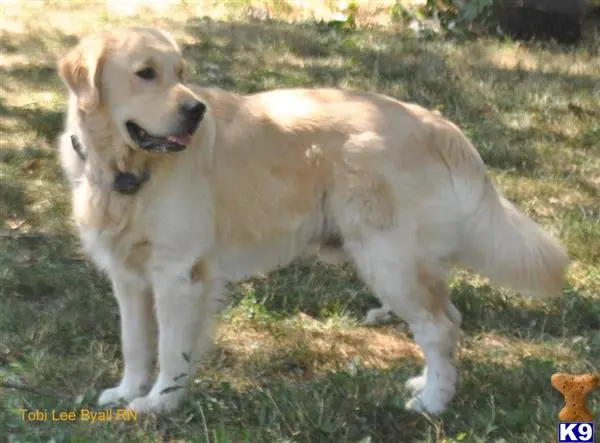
192, 111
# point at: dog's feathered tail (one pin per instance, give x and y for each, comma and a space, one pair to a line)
511, 249
497, 240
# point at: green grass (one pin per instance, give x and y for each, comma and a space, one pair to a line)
293, 363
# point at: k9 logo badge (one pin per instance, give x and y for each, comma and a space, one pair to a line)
569, 432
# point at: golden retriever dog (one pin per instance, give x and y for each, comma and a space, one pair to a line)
179, 189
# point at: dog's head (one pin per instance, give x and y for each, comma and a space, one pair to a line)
137, 78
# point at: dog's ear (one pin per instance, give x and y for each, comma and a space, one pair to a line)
81, 69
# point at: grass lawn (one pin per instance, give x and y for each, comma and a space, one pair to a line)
293, 363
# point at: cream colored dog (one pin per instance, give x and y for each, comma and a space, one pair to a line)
179, 189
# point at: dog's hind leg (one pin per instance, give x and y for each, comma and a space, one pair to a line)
415, 290
416, 384
138, 334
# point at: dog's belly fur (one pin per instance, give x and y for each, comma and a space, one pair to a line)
316, 237
236, 264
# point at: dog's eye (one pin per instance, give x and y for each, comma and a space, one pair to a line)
146, 73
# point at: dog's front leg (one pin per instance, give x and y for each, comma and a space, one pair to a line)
185, 317
138, 335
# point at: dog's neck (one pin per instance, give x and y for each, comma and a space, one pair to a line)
125, 182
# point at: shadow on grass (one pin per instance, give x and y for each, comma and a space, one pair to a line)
44, 75
12, 199
35, 71
485, 310
311, 288
33, 42
45, 123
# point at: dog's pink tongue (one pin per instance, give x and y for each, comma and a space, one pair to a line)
182, 140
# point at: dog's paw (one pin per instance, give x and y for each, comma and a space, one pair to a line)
421, 403
120, 394
157, 404
416, 384
377, 316
432, 401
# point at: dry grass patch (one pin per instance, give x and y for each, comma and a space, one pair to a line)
302, 348
510, 352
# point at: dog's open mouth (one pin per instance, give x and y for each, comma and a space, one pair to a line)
153, 143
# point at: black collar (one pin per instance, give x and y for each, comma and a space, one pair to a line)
77, 147
126, 183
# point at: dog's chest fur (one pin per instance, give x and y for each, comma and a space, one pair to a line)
111, 226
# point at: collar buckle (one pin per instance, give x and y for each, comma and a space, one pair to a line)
125, 183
